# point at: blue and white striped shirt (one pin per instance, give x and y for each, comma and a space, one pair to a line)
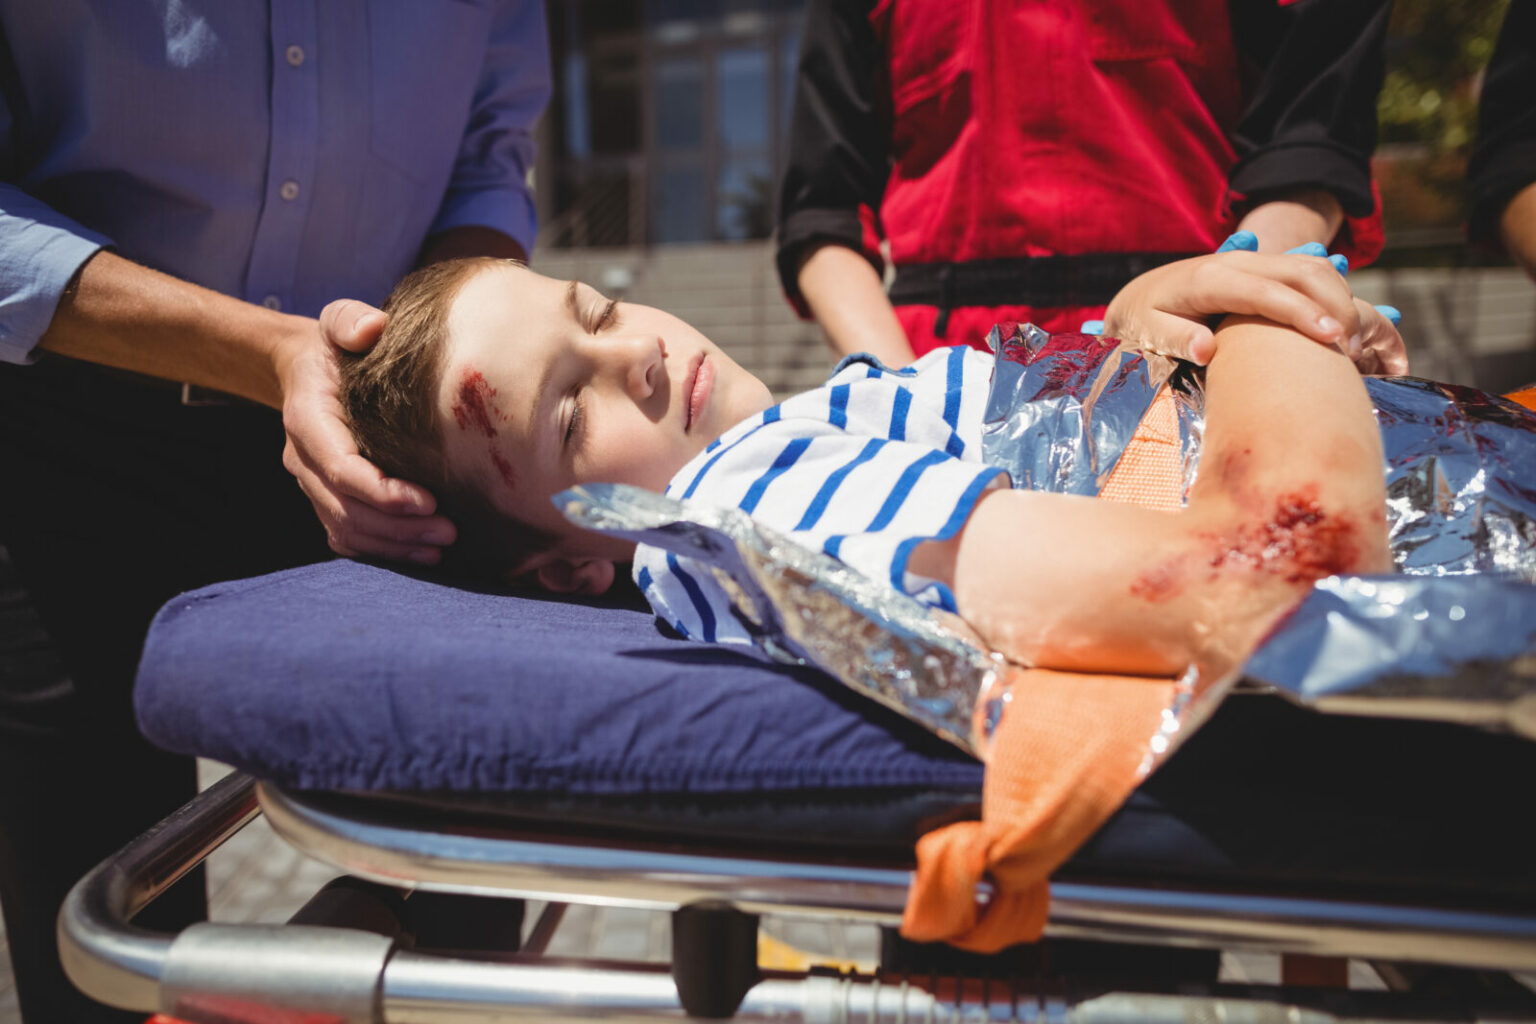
864, 468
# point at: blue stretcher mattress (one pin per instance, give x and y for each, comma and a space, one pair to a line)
361, 680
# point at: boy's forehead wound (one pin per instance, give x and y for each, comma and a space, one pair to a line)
474, 409
473, 405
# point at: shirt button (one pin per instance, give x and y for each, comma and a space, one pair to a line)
289, 190
295, 55
272, 302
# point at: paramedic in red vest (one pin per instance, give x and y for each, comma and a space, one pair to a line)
1022, 160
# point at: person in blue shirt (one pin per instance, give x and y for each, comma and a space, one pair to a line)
503, 388
186, 187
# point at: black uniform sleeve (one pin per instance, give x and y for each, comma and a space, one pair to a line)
839, 136
1504, 161
1311, 117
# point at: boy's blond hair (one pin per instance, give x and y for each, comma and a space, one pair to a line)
390, 396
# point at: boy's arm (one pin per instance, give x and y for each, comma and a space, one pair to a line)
1290, 491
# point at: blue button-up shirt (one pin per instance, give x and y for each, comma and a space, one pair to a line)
286, 152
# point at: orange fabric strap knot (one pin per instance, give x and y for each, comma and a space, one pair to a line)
1066, 754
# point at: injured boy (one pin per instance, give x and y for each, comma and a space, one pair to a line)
497, 388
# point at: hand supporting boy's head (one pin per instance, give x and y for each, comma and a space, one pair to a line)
497, 387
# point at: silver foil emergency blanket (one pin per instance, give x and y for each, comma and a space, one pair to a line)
1452, 638
801, 605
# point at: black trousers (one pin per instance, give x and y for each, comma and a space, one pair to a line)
114, 497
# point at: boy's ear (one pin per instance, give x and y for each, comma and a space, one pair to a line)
563, 575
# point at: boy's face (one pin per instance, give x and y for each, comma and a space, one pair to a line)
548, 384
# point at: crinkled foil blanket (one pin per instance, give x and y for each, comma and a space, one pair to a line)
1451, 635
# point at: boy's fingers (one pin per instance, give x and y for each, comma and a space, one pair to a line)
1171, 335
1304, 293
352, 324
1384, 351
1338, 261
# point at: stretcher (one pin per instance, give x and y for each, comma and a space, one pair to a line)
427, 739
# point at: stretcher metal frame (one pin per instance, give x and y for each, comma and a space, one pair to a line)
221, 973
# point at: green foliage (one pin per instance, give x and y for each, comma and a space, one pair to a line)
1436, 54
1437, 51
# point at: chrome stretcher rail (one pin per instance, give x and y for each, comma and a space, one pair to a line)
485, 862
214, 972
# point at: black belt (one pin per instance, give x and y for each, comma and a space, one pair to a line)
1091, 279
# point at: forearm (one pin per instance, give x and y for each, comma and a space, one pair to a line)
1289, 491
847, 298
120, 314
1517, 225
1294, 218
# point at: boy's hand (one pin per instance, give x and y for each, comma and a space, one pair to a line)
364, 512
1381, 351
1166, 310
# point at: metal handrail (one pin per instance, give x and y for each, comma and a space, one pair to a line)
227, 972
551, 867
103, 954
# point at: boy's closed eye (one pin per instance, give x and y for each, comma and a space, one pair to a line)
607, 316
574, 424
601, 319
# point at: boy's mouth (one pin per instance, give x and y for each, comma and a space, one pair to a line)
701, 379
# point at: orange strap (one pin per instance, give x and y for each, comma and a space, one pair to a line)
1525, 397
1066, 754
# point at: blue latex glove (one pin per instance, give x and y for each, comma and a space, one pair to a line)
1245, 241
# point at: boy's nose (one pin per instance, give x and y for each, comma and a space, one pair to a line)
643, 370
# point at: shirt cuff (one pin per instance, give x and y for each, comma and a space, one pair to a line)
1280, 168
507, 210
41, 250
804, 227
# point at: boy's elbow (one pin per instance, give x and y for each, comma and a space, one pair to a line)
1299, 535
